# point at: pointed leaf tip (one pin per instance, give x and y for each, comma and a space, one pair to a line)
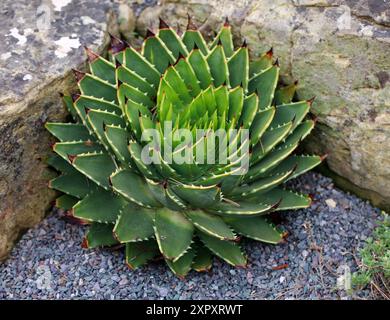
270, 52
75, 97
162, 24
323, 157
84, 243
79, 75
61, 94
149, 34
92, 56
226, 23
310, 101
116, 44
276, 63
296, 82
190, 24
71, 157
244, 44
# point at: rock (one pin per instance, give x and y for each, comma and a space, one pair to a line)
338, 51
331, 203
40, 42
126, 21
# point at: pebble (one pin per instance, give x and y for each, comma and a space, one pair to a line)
313, 255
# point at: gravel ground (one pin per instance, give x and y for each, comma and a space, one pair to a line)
49, 262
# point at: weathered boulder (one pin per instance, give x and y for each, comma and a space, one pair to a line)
40, 42
339, 51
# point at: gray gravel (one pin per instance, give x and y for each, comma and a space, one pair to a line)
48, 262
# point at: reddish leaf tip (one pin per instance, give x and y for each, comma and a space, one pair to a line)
162, 24
71, 158
75, 97
226, 23
190, 24
149, 34
79, 75
310, 101
116, 44
92, 56
270, 52
323, 157
84, 243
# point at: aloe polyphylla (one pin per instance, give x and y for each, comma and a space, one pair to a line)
185, 212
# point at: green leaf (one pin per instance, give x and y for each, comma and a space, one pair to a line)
68, 102
249, 110
264, 84
290, 199
173, 233
132, 79
99, 235
239, 68
134, 188
187, 73
197, 196
242, 208
210, 224
66, 149
200, 67
261, 185
138, 253
126, 92
268, 140
285, 94
218, 67
259, 65
203, 259
236, 102
98, 119
141, 66
257, 228
270, 161
182, 266
300, 132
260, 123
194, 39
287, 112
225, 37
134, 224
303, 164
101, 67
226, 250
95, 87
147, 170
74, 184
66, 202
96, 166
99, 206
172, 42
118, 138
157, 53
159, 191
60, 164
68, 131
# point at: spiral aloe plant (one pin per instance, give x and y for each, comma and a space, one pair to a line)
184, 211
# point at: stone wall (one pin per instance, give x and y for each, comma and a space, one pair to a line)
40, 41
